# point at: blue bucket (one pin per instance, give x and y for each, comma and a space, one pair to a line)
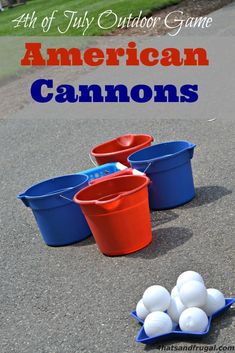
60, 220
168, 165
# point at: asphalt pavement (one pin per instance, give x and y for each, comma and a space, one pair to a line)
74, 299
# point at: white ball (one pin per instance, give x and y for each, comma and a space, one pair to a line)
157, 323
175, 309
193, 320
193, 293
188, 276
174, 292
156, 298
215, 301
141, 311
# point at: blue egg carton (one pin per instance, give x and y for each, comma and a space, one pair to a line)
103, 170
97, 172
177, 333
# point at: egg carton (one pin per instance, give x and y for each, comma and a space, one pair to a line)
177, 333
103, 170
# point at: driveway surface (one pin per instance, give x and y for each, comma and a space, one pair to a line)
74, 299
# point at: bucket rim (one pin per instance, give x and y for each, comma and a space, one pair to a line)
95, 154
145, 161
51, 194
125, 193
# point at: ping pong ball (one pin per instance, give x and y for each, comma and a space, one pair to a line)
175, 309
215, 301
193, 320
188, 276
157, 323
141, 311
193, 293
174, 292
156, 298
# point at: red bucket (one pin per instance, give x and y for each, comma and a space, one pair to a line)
118, 149
117, 211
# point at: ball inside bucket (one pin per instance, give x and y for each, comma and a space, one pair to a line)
118, 149
168, 165
117, 212
59, 219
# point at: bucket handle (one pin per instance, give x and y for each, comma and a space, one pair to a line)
149, 165
23, 199
92, 161
112, 203
116, 198
191, 150
66, 198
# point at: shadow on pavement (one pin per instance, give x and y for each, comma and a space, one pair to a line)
206, 195
86, 242
162, 217
218, 324
164, 240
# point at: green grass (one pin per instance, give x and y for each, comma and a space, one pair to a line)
44, 8
9, 65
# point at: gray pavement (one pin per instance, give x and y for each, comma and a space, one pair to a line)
73, 299
223, 23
